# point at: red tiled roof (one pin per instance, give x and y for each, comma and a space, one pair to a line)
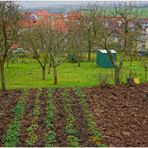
59, 25
26, 23
73, 15
15, 45
42, 13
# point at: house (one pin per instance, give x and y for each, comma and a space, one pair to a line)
42, 14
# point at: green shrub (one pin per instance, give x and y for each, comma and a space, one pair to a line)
103, 79
72, 58
14, 60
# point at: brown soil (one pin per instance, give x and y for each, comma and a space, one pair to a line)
60, 117
80, 123
41, 120
8, 100
121, 114
26, 121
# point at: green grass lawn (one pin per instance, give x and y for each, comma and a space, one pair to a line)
143, 12
28, 74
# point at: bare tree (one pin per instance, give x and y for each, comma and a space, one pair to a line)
9, 17
33, 38
90, 28
126, 15
55, 43
75, 37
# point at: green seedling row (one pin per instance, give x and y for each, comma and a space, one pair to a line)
50, 137
34, 115
11, 136
96, 136
72, 140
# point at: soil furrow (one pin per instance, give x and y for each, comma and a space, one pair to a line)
60, 117
80, 122
7, 104
41, 131
26, 121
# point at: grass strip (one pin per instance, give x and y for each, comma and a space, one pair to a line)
72, 140
96, 136
11, 137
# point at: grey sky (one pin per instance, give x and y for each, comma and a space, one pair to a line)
36, 4
57, 4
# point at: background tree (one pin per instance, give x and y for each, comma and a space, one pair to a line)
90, 28
75, 36
55, 43
9, 17
125, 14
34, 39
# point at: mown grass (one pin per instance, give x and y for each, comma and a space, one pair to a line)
28, 74
143, 12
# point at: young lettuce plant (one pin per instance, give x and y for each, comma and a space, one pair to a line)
96, 136
11, 136
72, 140
50, 137
31, 130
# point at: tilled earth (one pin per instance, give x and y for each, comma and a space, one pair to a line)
8, 100
121, 113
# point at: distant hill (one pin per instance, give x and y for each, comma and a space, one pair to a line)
64, 7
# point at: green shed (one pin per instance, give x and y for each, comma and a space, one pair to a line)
103, 59
19, 50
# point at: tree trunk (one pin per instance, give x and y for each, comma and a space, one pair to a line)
145, 74
117, 76
84, 55
22, 59
131, 60
2, 76
89, 55
7, 64
43, 73
79, 64
50, 65
89, 51
55, 74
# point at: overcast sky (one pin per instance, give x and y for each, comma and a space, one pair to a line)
37, 4
40, 4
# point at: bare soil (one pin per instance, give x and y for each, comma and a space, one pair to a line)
60, 118
121, 113
41, 120
26, 121
81, 123
8, 100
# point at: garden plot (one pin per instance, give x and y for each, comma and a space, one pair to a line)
111, 116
